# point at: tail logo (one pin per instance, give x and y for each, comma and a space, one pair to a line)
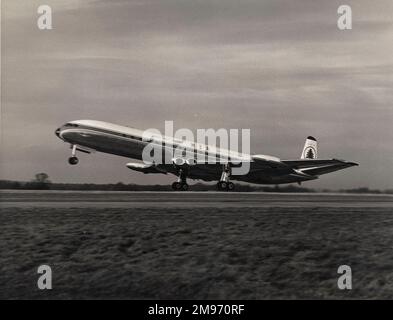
309, 153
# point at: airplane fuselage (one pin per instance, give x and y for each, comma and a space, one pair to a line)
85, 135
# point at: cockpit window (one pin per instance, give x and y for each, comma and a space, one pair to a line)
68, 125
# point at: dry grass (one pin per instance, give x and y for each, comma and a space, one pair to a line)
199, 253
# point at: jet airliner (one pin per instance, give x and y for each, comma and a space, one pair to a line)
89, 135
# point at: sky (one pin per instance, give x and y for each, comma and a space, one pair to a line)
280, 68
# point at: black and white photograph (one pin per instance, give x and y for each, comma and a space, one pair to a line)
198, 150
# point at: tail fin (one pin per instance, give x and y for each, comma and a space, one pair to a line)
310, 150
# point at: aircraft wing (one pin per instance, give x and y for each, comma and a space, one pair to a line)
316, 167
205, 171
212, 171
258, 165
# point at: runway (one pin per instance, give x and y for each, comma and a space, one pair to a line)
195, 245
189, 199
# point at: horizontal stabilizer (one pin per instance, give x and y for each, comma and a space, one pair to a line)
318, 167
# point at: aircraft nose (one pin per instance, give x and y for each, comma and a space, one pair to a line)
57, 132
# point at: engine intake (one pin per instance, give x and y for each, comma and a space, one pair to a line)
183, 162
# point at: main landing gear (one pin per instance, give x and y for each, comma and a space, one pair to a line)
181, 183
224, 184
73, 160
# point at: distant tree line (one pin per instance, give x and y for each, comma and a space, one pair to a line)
367, 190
35, 185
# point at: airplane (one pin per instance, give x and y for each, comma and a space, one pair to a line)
90, 135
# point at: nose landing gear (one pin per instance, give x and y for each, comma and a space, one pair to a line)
73, 160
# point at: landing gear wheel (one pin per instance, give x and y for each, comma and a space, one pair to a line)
176, 186
222, 185
73, 160
225, 186
230, 186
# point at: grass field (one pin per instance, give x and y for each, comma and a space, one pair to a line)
196, 253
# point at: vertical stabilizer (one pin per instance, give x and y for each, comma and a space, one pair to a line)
310, 150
